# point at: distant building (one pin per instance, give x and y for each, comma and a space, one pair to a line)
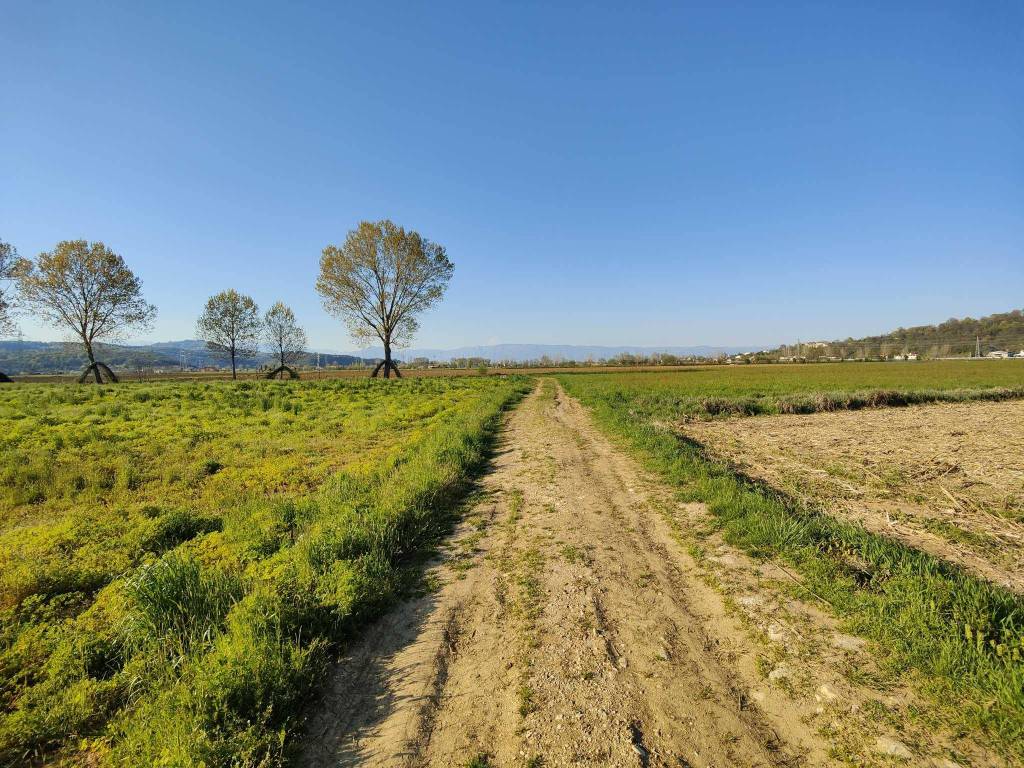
998, 354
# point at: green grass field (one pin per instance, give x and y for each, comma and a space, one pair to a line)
956, 637
764, 389
178, 559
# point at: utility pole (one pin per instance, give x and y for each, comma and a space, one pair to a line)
977, 346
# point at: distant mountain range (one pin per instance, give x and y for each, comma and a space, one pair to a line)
25, 357
521, 353
954, 337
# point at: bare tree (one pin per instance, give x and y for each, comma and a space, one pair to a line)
230, 325
379, 280
284, 336
87, 288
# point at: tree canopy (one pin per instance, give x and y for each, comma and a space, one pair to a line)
87, 288
379, 280
230, 325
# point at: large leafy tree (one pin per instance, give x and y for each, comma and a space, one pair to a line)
379, 280
8, 256
88, 289
284, 336
231, 325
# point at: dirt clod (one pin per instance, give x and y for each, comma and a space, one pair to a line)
886, 745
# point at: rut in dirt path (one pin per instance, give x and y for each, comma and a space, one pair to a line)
571, 627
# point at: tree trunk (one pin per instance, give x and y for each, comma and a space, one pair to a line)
387, 364
234, 375
92, 363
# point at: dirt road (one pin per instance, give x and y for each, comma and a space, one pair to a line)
572, 625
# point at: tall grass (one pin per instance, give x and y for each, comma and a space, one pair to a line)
179, 603
963, 637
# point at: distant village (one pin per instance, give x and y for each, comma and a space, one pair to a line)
830, 351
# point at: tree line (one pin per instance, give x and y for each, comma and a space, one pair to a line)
377, 282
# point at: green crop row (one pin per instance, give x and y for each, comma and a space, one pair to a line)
752, 390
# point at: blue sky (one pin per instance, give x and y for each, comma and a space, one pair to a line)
672, 173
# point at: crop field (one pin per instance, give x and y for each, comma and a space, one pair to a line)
941, 628
177, 560
711, 391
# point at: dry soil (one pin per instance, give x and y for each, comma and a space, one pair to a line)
948, 478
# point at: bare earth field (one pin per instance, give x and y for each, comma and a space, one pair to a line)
568, 623
948, 479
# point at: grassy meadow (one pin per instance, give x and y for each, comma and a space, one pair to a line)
177, 560
957, 637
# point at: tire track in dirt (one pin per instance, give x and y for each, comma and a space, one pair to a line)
573, 628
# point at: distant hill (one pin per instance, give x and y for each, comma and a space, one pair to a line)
953, 338
521, 353
25, 357
196, 345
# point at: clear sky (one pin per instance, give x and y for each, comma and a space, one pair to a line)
620, 173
